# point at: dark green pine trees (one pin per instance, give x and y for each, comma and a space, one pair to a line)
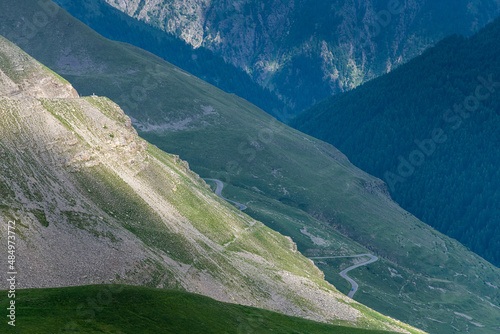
431, 131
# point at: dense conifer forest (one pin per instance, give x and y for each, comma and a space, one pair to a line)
430, 130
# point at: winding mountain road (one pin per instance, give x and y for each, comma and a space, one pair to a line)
218, 192
344, 272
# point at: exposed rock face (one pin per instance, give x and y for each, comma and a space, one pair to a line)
291, 46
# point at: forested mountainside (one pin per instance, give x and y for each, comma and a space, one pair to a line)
431, 130
298, 185
306, 50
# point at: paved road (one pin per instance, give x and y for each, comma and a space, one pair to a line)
218, 192
344, 272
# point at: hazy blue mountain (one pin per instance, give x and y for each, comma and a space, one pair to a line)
431, 130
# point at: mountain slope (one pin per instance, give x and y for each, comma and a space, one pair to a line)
203, 63
94, 203
387, 126
300, 186
108, 309
305, 50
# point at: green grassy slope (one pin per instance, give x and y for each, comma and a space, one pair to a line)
93, 203
203, 63
131, 309
293, 183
